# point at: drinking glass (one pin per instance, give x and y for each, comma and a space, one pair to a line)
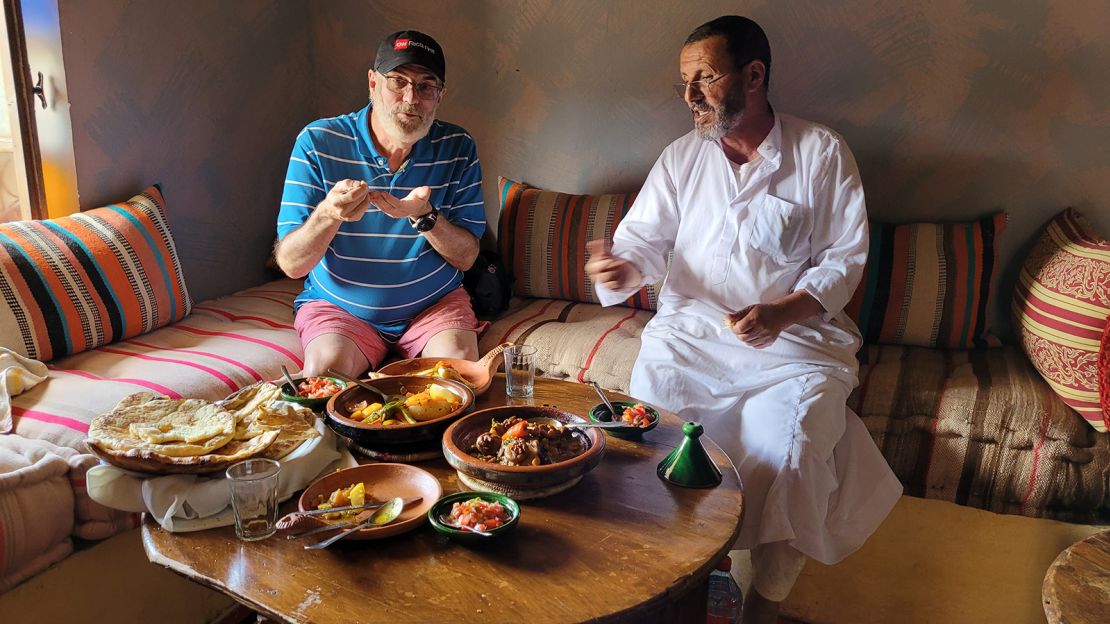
253, 485
520, 370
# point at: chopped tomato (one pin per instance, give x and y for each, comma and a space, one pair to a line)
637, 416
317, 388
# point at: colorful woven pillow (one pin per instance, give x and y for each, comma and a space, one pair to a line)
1061, 304
928, 284
542, 239
78, 282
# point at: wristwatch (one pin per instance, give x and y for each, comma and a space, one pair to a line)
425, 222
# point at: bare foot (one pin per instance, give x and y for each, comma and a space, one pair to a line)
759, 610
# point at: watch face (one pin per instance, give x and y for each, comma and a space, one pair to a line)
426, 222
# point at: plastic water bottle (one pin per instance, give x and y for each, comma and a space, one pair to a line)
725, 599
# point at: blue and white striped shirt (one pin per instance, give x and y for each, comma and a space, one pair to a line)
379, 268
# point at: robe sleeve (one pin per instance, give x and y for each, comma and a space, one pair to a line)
840, 237
646, 235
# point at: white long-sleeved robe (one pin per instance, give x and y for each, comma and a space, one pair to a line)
811, 474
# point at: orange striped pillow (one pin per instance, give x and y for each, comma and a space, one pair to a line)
929, 284
542, 239
74, 283
1061, 305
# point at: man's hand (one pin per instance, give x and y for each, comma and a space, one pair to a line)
609, 271
348, 200
414, 204
757, 325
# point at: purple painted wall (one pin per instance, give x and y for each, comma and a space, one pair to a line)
203, 97
954, 108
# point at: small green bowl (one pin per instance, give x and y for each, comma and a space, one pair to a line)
600, 413
290, 394
442, 509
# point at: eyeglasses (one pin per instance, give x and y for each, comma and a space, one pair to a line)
697, 85
423, 90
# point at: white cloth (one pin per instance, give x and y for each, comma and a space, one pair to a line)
182, 503
775, 569
18, 374
812, 475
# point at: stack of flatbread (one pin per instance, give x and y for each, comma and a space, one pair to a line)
154, 434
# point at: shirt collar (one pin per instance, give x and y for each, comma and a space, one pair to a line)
771, 147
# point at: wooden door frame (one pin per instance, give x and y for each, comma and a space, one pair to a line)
25, 103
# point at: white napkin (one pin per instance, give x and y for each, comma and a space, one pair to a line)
183, 503
17, 374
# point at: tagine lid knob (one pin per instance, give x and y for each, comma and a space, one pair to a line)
689, 465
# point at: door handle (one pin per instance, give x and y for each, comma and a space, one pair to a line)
39, 91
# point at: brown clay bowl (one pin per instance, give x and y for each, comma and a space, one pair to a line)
393, 436
461, 435
383, 481
478, 374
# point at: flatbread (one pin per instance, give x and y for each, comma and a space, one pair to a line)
262, 426
171, 427
260, 409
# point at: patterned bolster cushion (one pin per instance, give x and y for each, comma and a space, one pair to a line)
74, 283
929, 284
542, 238
1061, 304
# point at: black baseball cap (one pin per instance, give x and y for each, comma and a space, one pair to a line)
410, 47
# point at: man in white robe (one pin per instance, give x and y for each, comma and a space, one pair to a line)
763, 217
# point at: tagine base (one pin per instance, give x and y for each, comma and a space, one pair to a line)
399, 454
519, 493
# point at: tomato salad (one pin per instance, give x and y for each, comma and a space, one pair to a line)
637, 416
317, 388
479, 514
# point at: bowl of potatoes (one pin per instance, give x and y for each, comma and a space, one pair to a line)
413, 411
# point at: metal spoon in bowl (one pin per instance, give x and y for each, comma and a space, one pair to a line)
289, 378
605, 400
384, 515
349, 379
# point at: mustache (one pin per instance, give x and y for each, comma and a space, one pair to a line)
410, 109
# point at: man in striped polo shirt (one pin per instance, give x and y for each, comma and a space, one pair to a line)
381, 214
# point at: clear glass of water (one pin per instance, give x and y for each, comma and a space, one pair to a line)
253, 484
520, 370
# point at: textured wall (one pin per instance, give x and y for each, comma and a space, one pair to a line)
204, 97
954, 108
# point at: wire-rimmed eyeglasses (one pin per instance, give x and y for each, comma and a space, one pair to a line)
423, 90
697, 85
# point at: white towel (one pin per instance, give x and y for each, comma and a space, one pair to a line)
183, 503
17, 374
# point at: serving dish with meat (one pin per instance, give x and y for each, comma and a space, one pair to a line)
537, 458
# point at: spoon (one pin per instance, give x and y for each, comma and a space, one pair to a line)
359, 519
579, 424
384, 515
289, 378
446, 521
365, 385
605, 400
295, 518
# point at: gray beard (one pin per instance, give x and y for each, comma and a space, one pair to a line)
725, 119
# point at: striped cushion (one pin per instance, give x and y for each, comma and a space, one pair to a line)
542, 237
581, 342
75, 283
981, 428
928, 284
1060, 307
223, 345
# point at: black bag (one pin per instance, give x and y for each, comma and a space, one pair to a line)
490, 285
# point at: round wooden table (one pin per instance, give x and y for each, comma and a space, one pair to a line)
1076, 588
621, 545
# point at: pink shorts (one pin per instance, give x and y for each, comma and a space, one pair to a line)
453, 311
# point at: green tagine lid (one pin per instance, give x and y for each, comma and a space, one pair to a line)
688, 464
